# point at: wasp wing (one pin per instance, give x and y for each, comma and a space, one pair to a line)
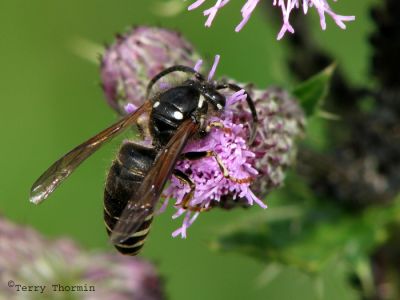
141, 206
63, 167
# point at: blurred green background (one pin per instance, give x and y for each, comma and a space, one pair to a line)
52, 101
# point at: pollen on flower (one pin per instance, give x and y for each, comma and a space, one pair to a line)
286, 6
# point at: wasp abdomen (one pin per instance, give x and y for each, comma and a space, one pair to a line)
124, 179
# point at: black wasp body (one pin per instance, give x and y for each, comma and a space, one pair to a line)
127, 172
139, 173
169, 109
124, 179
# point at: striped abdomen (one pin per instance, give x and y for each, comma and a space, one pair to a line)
123, 180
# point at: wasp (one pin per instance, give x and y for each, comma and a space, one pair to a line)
139, 173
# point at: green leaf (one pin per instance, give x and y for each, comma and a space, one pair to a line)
271, 272
309, 233
312, 92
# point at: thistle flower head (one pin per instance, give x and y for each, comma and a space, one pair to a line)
236, 173
286, 6
228, 142
251, 170
281, 121
137, 56
27, 258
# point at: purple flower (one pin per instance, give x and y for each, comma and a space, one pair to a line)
251, 171
230, 145
281, 122
286, 6
27, 258
137, 56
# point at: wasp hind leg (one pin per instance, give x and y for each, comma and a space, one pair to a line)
183, 178
221, 165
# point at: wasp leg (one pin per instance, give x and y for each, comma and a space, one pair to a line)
189, 196
250, 103
218, 125
223, 168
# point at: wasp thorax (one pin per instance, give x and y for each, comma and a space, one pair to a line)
170, 109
